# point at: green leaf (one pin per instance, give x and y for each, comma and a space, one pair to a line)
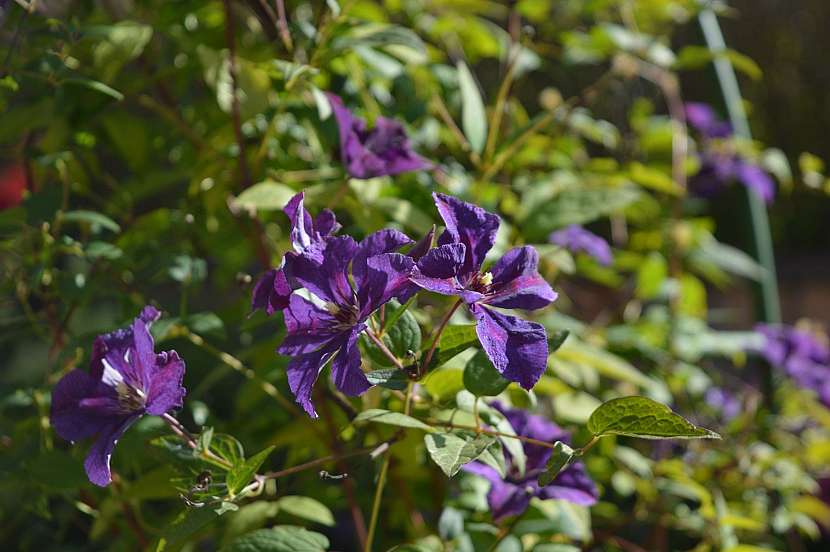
577, 206
264, 196
395, 310
644, 418
652, 273
605, 363
493, 456
454, 340
380, 416
473, 115
728, 258
557, 339
452, 450
241, 474
654, 179
390, 378
404, 335
97, 86
307, 508
443, 384
56, 469
562, 456
282, 538
103, 250
228, 448
481, 378
96, 220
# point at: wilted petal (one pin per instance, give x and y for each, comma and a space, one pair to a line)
387, 275
573, 485
328, 281
517, 348
345, 368
383, 241
70, 420
517, 283
303, 371
97, 463
308, 327
166, 392
271, 292
468, 224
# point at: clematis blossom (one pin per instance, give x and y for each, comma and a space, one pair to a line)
383, 150
576, 238
308, 236
517, 348
801, 354
127, 379
511, 496
317, 335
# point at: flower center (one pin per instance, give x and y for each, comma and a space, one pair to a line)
482, 282
346, 316
130, 399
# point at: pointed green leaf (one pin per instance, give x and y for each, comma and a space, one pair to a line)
562, 456
282, 538
307, 508
241, 474
645, 418
473, 115
481, 378
452, 450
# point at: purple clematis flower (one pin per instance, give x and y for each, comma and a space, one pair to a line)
517, 348
384, 150
316, 335
308, 236
719, 164
704, 119
724, 401
802, 355
127, 379
575, 238
511, 496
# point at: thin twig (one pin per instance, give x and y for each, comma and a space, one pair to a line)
230, 39
424, 366
384, 349
282, 23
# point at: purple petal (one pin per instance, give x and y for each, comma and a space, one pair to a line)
577, 239
271, 292
166, 392
517, 283
703, 118
328, 281
70, 420
303, 371
144, 362
387, 275
573, 485
326, 223
753, 177
384, 150
345, 368
423, 246
517, 348
119, 340
302, 225
308, 327
504, 498
382, 241
468, 224
97, 463
437, 270
536, 427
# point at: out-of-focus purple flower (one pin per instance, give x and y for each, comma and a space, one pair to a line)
127, 379
308, 236
723, 401
802, 355
511, 496
719, 164
317, 334
575, 238
517, 348
703, 118
384, 150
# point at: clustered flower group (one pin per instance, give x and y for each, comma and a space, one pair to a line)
801, 354
720, 164
328, 287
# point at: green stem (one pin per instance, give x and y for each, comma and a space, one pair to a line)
373, 520
428, 358
770, 303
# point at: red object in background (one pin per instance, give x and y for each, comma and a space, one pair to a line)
12, 184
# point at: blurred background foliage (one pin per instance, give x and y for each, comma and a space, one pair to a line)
148, 147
